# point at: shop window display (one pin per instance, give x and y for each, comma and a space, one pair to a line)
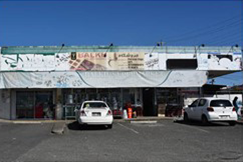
168, 100
34, 105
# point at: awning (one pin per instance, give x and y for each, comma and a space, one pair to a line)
103, 79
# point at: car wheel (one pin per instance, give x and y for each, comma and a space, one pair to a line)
204, 120
109, 126
186, 119
232, 123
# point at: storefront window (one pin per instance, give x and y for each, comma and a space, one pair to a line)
43, 105
168, 100
92, 94
79, 96
34, 104
25, 104
115, 99
128, 97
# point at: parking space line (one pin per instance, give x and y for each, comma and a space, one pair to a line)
202, 130
128, 128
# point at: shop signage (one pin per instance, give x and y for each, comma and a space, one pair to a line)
107, 61
73, 61
102, 61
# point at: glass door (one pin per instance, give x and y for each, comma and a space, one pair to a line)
43, 105
35, 104
25, 104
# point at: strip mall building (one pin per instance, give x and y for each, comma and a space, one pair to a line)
50, 81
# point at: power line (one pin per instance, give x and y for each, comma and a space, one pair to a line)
212, 26
205, 33
235, 36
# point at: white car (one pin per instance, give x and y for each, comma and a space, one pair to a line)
211, 110
94, 113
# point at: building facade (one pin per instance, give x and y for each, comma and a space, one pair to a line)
39, 82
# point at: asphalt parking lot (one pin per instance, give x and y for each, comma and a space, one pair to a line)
161, 141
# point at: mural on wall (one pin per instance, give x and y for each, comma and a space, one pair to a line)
74, 61
28, 62
224, 62
101, 61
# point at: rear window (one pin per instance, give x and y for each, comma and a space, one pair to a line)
220, 103
94, 105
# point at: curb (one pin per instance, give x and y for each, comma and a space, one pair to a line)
58, 128
30, 121
240, 122
70, 121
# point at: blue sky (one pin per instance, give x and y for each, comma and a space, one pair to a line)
142, 23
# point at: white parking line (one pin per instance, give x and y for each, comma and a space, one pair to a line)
143, 122
128, 128
201, 130
26, 122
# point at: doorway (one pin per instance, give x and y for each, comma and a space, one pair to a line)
148, 102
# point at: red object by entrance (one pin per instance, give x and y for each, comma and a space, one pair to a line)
129, 112
39, 111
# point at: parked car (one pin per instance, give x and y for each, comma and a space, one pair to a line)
94, 113
117, 113
211, 110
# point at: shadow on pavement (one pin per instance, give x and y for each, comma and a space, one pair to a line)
198, 123
77, 127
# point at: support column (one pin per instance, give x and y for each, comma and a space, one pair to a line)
59, 106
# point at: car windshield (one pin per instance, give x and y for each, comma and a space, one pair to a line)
220, 103
94, 105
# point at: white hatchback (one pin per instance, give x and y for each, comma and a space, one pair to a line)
211, 110
95, 113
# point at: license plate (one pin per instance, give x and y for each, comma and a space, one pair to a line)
96, 114
224, 116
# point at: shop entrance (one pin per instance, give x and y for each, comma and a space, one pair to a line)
34, 104
148, 102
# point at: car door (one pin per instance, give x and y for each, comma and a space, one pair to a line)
191, 109
199, 109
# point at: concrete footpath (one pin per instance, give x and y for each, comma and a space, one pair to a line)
60, 126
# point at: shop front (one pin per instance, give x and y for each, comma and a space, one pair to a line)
51, 82
46, 103
56, 95
117, 98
